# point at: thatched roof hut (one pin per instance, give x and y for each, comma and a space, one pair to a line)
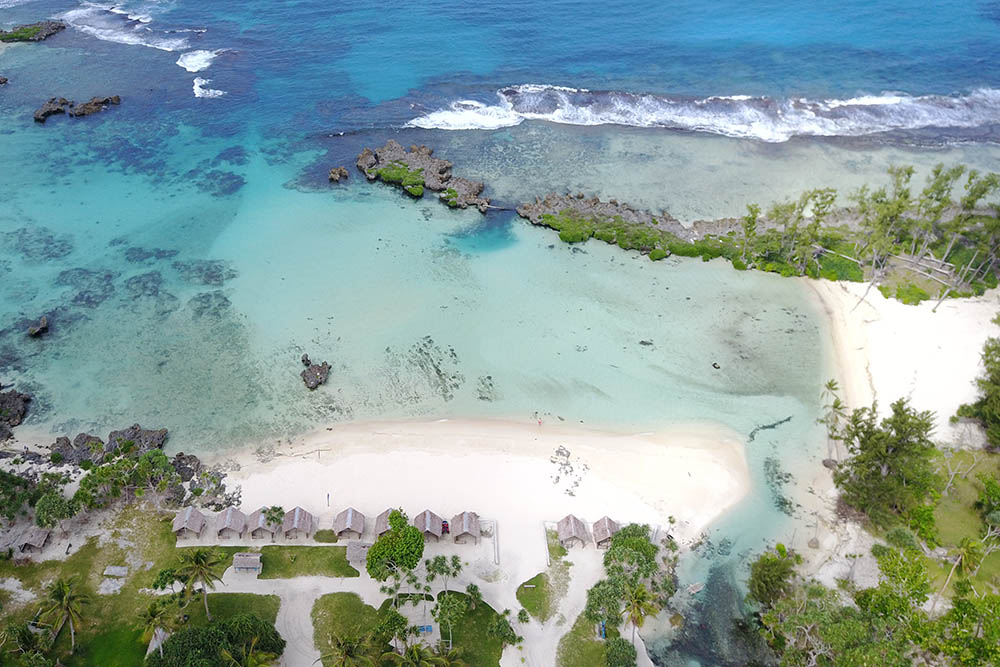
430, 524
33, 540
230, 523
297, 522
189, 522
465, 525
604, 529
258, 526
247, 562
349, 524
571, 530
382, 522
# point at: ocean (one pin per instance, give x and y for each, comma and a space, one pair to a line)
188, 249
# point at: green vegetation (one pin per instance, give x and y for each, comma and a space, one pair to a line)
415, 190
450, 197
986, 409
22, 34
396, 551
342, 615
581, 647
227, 605
398, 173
325, 536
285, 562
243, 639
618, 652
480, 647
535, 596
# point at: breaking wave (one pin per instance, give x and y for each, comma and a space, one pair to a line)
197, 61
201, 91
763, 118
113, 24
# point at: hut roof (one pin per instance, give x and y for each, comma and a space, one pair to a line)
259, 520
382, 521
429, 522
189, 518
570, 527
33, 537
349, 519
246, 560
604, 528
297, 518
233, 519
466, 523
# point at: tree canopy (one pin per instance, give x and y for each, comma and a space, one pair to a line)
399, 549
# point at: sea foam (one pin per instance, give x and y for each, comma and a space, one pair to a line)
113, 24
197, 61
763, 118
201, 91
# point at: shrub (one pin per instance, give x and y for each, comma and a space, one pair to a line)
618, 652
901, 538
56, 458
86, 464
657, 254
739, 265
910, 294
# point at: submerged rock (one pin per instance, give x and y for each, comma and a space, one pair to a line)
40, 328
32, 32
315, 375
337, 174
53, 106
13, 409
417, 168
3, 80
94, 105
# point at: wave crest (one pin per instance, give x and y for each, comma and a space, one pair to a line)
762, 118
113, 24
201, 91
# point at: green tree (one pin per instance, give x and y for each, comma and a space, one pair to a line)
986, 409
748, 224
248, 655
274, 516
398, 549
64, 602
415, 655
350, 650
889, 470
639, 604
619, 653
771, 576
198, 566
500, 628
604, 601
449, 610
393, 627
965, 558
192, 647
158, 616
449, 657
443, 567
52, 508
475, 595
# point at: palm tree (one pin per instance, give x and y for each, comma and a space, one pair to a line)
350, 650
449, 657
248, 656
415, 655
968, 554
156, 617
639, 604
198, 566
63, 601
274, 516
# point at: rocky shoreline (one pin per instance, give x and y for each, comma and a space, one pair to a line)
32, 32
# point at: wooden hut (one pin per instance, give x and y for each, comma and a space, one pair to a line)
382, 522
297, 522
189, 523
231, 524
247, 563
258, 526
430, 524
604, 529
572, 531
349, 524
464, 526
33, 540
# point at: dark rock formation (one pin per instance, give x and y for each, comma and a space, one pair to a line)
213, 304
456, 192
232, 155
305, 361
138, 255
205, 271
337, 174
32, 32
217, 182
830, 463
186, 465
62, 105
13, 408
93, 287
40, 328
142, 440
3, 80
144, 285
37, 243
84, 447
315, 375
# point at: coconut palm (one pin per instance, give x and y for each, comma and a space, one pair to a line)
156, 617
639, 604
449, 657
198, 566
415, 655
248, 656
968, 554
350, 650
64, 600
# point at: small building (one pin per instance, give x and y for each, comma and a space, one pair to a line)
604, 529
297, 522
231, 524
382, 522
258, 526
464, 526
189, 522
572, 531
247, 563
430, 524
33, 540
349, 524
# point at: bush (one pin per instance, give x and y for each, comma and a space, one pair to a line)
739, 265
56, 458
86, 464
901, 538
618, 652
657, 254
910, 294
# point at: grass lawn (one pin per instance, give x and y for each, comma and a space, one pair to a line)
327, 536
340, 614
478, 648
281, 562
535, 596
227, 605
581, 647
121, 647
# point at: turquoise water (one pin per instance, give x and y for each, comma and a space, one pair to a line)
188, 249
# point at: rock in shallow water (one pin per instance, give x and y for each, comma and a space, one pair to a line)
316, 375
13, 409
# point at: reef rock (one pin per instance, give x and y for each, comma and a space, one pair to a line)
186, 465
3, 80
13, 408
40, 328
32, 32
53, 106
94, 105
337, 174
142, 440
316, 375
420, 164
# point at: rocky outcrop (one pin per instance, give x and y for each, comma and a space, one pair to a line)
57, 105
32, 32
338, 174
186, 465
416, 169
13, 409
315, 374
3, 80
138, 439
40, 328
84, 447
